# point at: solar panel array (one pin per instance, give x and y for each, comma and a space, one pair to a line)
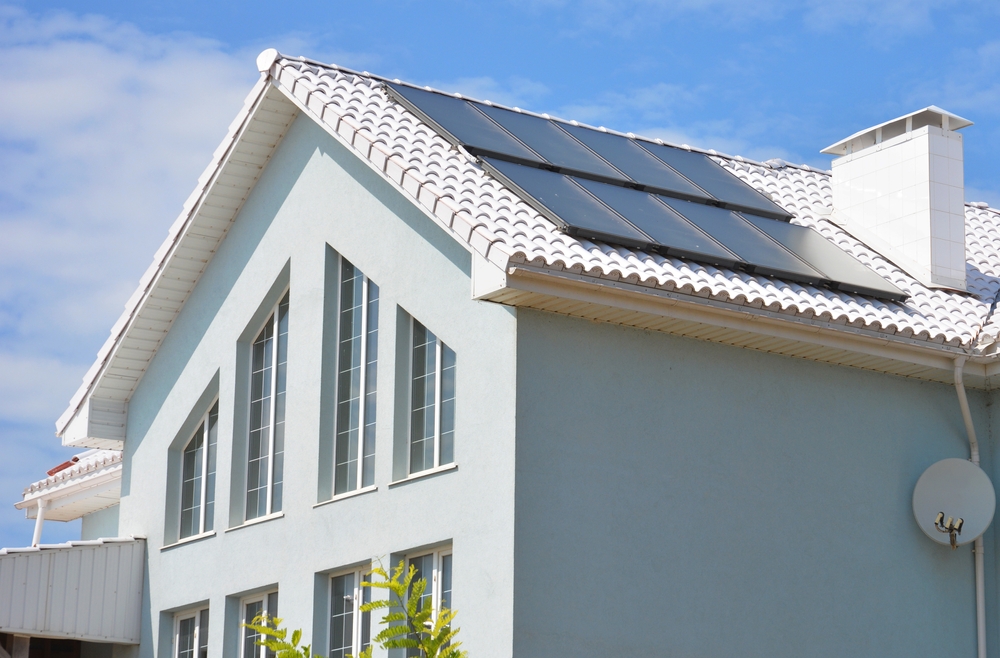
635, 193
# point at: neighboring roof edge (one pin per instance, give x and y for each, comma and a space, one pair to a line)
90, 485
161, 256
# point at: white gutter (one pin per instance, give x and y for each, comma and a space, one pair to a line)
977, 548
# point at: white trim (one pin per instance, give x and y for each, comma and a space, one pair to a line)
444, 468
189, 540
203, 424
347, 494
259, 519
439, 346
434, 582
360, 574
244, 602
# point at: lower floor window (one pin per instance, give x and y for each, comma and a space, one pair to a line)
435, 566
254, 607
191, 634
350, 629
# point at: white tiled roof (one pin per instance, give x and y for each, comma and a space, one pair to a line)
498, 224
88, 462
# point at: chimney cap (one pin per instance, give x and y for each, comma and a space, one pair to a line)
931, 115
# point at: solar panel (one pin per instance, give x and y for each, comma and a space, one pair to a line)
636, 162
711, 177
675, 235
559, 198
838, 266
546, 139
758, 251
462, 121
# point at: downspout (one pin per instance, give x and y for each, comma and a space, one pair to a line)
39, 521
977, 548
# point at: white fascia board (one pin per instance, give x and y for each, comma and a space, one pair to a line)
101, 488
761, 322
92, 379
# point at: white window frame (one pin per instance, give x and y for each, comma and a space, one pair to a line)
275, 320
358, 598
362, 384
263, 598
439, 346
188, 614
203, 515
435, 581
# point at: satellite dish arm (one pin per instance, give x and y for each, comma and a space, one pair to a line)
977, 549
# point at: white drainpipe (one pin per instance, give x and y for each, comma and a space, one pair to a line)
977, 549
39, 522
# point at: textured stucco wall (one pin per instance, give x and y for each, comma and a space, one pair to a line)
103, 523
677, 497
313, 194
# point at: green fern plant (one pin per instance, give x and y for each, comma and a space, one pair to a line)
272, 636
408, 623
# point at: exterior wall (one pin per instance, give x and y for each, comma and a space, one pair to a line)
313, 194
677, 497
103, 523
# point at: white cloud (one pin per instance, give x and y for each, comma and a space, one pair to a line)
104, 131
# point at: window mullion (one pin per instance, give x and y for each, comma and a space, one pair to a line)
363, 338
204, 476
437, 402
274, 399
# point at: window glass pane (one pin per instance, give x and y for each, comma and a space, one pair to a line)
342, 616
203, 634
279, 406
366, 617
185, 638
191, 485
447, 405
371, 381
349, 378
250, 612
422, 396
258, 450
446, 582
213, 439
425, 569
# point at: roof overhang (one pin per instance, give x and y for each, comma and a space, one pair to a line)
90, 487
931, 115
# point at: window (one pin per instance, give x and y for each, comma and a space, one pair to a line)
265, 454
198, 477
253, 607
357, 358
436, 568
191, 634
350, 630
432, 401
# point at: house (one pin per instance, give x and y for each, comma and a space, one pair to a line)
609, 395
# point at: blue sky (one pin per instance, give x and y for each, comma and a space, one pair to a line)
110, 110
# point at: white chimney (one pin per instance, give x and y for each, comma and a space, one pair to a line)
899, 187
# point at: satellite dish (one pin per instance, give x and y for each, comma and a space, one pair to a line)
954, 502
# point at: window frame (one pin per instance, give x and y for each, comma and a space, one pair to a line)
264, 598
272, 318
360, 620
203, 424
437, 559
439, 348
363, 420
196, 614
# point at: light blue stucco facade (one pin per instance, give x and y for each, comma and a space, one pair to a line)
617, 491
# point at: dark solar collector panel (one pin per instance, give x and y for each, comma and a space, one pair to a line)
459, 118
842, 270
679, 203
562, 200
709, 175
674, 235
761, 254
546, 139
636, 162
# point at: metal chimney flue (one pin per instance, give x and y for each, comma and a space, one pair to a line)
899, 187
